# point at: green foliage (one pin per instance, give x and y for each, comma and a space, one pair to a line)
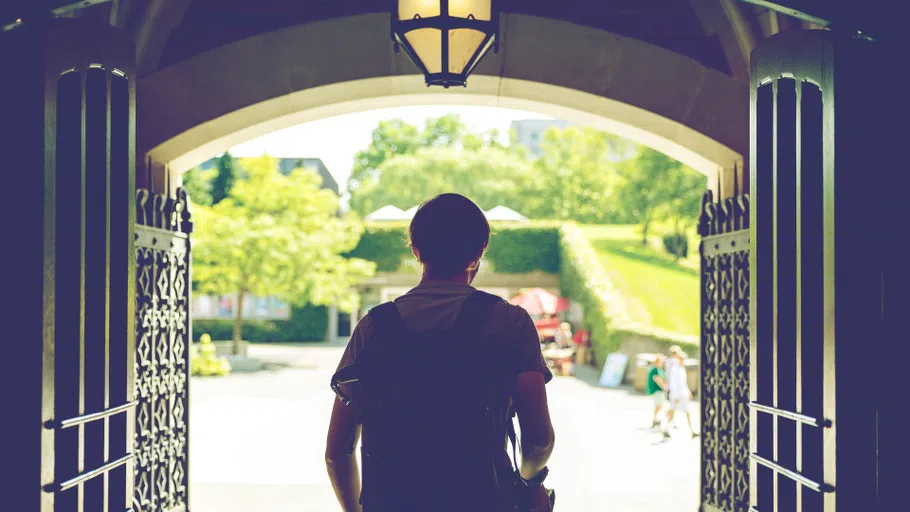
576, 177
644, 190
490, 176
581, 279
676, 244
204, 362
517, 249
686, 188
383, 244
376, 182
198, 185
277, 235
307, 323
225, 176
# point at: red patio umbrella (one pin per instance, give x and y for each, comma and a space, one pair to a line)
540, 302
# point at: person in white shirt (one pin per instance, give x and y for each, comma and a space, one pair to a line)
680, 395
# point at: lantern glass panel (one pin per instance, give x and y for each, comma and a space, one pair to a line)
463, 43
481, 9
427, 44
407, 9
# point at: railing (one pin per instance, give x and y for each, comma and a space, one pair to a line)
793, 475
790, 415
88, 475
88, 418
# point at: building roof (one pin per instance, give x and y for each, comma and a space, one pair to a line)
502, 213
387, 213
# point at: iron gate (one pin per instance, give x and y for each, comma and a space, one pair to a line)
724, 227
162, 352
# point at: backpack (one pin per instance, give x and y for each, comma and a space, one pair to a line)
434, 409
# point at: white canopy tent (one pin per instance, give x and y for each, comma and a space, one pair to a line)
502, 213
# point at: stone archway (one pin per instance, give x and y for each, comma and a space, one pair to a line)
212, 101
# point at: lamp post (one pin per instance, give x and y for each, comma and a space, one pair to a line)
445, 38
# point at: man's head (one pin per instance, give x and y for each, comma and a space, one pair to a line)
659, 360
674, 350
449, 235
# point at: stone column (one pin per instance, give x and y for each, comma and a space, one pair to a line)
331, 332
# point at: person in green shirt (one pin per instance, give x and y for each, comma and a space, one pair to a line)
656, 386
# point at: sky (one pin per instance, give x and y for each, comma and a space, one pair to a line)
335, 140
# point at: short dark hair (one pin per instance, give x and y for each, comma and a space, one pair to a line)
449, 233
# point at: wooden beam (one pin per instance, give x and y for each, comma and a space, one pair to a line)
724, 19
157, 22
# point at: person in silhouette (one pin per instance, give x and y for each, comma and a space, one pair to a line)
440, 371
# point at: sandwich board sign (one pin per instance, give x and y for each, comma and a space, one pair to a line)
614, 369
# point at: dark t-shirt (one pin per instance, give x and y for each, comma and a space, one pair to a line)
436, 306
652, 387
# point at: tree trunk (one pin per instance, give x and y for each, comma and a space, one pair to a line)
644, 231
238, 325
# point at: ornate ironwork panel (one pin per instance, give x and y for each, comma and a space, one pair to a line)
162, 352
725, 353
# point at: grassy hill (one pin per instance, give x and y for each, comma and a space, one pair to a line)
657, 290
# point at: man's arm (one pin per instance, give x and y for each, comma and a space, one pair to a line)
537, 436
660, 381
340, 459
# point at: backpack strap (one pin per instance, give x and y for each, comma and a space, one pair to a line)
387, 319
474, 312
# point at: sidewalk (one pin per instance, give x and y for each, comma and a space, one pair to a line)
257, 442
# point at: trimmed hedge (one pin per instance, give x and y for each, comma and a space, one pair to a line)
514, 249
518, 249
308, 323
384, 244
581, 279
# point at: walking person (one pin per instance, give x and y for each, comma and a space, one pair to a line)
680, 394
440, 371
656, 387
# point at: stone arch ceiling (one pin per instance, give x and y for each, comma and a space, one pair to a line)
671, 24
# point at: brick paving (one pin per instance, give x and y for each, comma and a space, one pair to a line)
257, 442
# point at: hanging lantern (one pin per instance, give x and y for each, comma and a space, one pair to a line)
445, 38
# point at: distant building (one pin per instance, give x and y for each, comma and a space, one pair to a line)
286, 165
529, 132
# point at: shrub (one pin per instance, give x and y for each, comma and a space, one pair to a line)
307, 323
204, 362
677, 244
517, 249
385, 244
581, 279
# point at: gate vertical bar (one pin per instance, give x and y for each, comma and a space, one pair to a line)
56, 93
827, 267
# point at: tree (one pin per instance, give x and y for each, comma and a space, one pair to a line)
392, 137
489, 176
645, 186
198, 185
276, 235
224, 178
685, 189
576, 178
395, 137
